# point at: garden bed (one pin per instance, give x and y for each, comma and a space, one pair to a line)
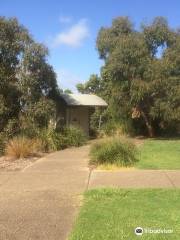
151, 154
9, 164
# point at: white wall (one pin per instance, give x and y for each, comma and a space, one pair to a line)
78, 116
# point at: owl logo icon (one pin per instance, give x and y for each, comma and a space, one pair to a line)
139, 231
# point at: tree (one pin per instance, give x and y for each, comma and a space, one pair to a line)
13, 38
141, 83
67, 91
92, 86
25, 75
81, 88
36, 79
108, 37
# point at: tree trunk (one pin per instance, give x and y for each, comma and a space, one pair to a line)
148, 125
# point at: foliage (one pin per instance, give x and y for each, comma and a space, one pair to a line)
13, 37
3, 140
53, 140
22, 147
118, 128
120, 26
115, 213
92, 86
38, 114
48, 138
138, 81
112, 129
67, 91
97, 119
110, 124
116, 151
74, 136
28, 87
12, 129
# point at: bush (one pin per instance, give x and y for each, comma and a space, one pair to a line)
74, 136
51, 140
59, 140
118, 128
112, 128
47, 140
3, 139
22, 147
95, 118
12, 128
116, 151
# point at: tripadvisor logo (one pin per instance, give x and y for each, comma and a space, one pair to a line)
138, 231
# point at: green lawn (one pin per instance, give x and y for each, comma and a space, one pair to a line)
110, 214
160, 154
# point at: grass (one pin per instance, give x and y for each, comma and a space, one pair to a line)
113, 167
114, 214
22, 147
115, 151
153, 154
159, 154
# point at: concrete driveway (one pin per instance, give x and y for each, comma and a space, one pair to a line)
42, 201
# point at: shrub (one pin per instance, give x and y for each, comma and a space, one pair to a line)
112, 128
59, 140
49, 139
29, 130
74, 136
118, 128
12, 128
45, 140
3, 139
103, 115
116, 151
22, 147
53, 140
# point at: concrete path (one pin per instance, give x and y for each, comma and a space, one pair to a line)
135, 179
41, 201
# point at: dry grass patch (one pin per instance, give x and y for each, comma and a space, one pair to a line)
22, 147
113, 167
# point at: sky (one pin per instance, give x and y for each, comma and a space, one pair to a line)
69, 28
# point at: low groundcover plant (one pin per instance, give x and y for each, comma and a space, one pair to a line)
118, 151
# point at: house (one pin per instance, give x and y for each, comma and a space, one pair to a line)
76, 109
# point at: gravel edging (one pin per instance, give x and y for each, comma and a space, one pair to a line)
9, 164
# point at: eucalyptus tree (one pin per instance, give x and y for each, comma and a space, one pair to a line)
92, 86
26, 78
13, 38
141, 72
